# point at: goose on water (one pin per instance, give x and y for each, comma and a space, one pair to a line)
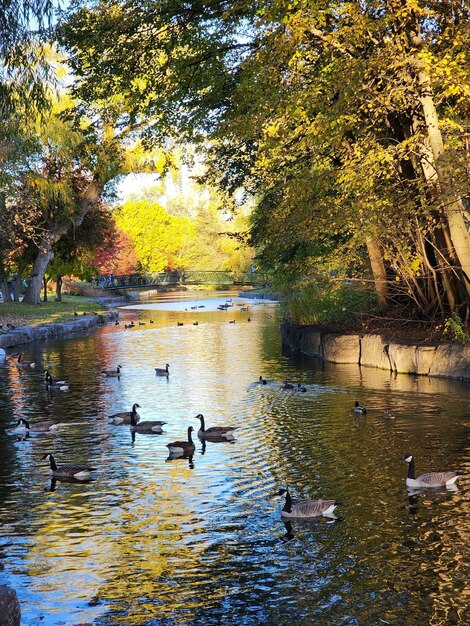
432, 479
287, 385
62, 385
182, 448
38, 427
306, 508
146, 428
217, 432
160, 371
125, 417
111, 373
20, 363
77, 472
359, 409
300, 389
262, 381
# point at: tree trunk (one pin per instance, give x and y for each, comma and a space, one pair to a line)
33, 291
44, 288
56, 231
18, 283
452, 204
58, 288
5, 290
378, 271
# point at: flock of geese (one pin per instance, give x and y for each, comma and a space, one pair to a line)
186, 448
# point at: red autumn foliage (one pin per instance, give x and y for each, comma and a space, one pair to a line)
116, 255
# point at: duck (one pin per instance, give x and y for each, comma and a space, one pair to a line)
359, 409
20, 363
179, 324
182, 448
262, 381
306, 508
147, 428
38, 427
62, 385
195, 323
141, 323
217, 432
287, 385
159, 371
432, 479
232, 321
77, 472
300, 389
388, 415
125, 417
111, 373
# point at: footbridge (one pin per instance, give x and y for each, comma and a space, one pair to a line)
180, 278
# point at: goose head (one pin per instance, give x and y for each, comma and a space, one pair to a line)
407, 457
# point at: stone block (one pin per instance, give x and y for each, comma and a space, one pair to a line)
403, 358
310, 342
374, 352
452, 361
341, 348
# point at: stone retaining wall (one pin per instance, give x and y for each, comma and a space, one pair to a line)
445, 360
25, 334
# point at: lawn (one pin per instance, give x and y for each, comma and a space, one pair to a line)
20, 314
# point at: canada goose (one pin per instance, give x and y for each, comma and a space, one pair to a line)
388, 415
78, 472
287, 385
433, 479
11, 326
162, 372
125, 417
62, 385
300, 388
306, 508
232, 321
179, 324
195, 323
359, 409
262, 381
214, 431
182, 448
38, 427
141, 323
20, 363
146, 427
110, 373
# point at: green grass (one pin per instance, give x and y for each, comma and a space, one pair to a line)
20, 314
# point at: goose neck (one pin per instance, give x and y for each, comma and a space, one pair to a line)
411, 469
288, 505
203, 423
190, 439
52, 463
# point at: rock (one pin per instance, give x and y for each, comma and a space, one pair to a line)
452, 361
10, 613
402, 358
374, 352
310, 342
341, 348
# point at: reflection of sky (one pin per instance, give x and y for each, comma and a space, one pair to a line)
208, 304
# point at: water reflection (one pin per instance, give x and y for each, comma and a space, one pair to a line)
200, 540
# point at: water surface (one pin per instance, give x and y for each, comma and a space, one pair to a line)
175, 542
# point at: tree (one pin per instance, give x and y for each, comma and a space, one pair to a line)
345, 119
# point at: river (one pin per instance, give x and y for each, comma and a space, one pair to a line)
200, 541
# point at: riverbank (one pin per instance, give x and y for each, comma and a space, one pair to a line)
24, 334
434, 359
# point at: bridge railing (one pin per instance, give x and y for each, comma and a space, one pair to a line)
184, 277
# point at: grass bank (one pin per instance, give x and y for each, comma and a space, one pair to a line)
49, 312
